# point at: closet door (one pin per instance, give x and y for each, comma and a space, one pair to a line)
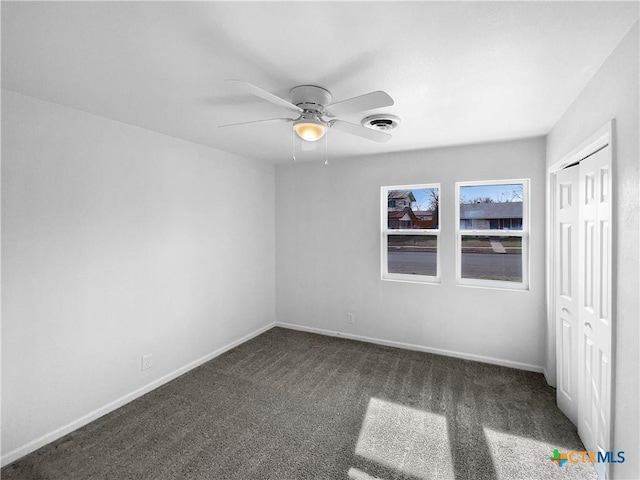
566, 289
594, 353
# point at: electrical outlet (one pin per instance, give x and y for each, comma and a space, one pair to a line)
351, 318
146, 361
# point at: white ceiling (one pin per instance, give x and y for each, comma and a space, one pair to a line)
459, 72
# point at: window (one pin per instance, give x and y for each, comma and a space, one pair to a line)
492, 233
410, 232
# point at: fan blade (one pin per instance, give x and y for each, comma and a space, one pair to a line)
368, 101
258, 121
363, 132
269, 97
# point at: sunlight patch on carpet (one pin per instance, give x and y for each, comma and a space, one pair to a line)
357, 474
513, 456
408, 440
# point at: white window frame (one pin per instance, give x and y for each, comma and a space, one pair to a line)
523, 233
386, 231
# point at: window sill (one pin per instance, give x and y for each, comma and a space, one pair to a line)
493, 285
418, 279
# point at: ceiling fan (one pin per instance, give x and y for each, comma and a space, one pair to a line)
316, 113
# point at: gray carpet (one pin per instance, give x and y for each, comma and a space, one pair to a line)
292, 405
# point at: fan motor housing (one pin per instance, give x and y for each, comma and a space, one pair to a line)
310, 97
381, 122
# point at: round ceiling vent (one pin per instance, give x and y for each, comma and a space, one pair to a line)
382, 122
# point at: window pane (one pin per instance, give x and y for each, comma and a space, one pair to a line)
491, 207
492, 258
410, 209
412, 254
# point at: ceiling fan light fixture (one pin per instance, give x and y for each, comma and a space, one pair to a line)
310, 130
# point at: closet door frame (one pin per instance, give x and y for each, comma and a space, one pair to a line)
602, 138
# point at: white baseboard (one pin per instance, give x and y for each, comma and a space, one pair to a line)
419, 348
33, 445
548, 379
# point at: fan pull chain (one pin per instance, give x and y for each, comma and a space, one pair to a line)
293, 144
326, 141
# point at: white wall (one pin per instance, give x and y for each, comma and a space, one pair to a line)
328, 254
118, 242
613, 94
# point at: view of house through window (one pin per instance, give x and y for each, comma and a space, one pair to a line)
410, 232
491, 227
